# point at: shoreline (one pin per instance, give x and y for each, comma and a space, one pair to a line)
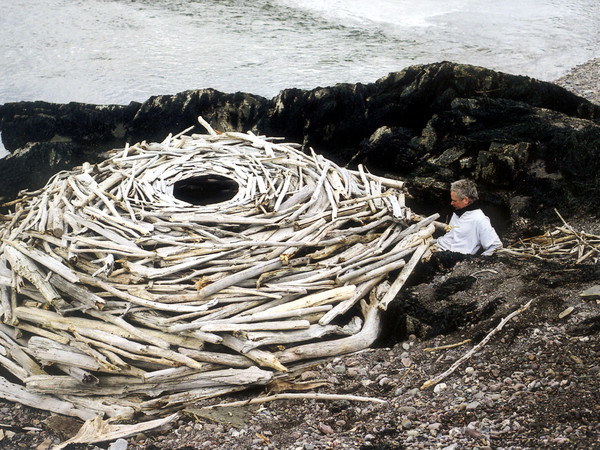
583, 80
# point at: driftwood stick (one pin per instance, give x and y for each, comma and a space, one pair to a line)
80, 375
230, 280
295, 396
224, 359
475, 349
261, 357
97, 430
52, 352
76, 292
321, 298
446, 347
277, 325
18, 354
6, 311
54, 321
15, 393
26, 268
403, 276
359, 341
255, 339
344, 306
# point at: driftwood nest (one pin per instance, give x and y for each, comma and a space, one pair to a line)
188, 269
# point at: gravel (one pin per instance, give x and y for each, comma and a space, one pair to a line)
584, 80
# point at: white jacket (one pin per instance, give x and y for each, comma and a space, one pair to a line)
470, 232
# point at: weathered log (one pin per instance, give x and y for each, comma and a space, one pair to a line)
15, 393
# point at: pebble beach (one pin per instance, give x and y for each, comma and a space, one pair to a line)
534, 385
584, 80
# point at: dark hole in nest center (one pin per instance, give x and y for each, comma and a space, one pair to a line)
205, 189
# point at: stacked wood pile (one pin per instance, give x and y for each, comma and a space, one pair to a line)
563, 243
119, 299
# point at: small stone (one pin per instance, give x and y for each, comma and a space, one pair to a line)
473, 432
325, 429
340, 369
385, 381
352, 372
576, 359
333, 380
309, 375
434, 426
473, 405
413, 433
406, 346
566, 312
119, 444
45, 445
440, 387
469, 370
406, 362
407, 409
451, 447
369, 437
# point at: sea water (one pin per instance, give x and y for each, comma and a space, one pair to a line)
117, 51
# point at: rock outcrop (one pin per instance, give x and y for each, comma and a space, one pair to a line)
530, 145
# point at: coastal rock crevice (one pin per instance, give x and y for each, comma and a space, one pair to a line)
430, 124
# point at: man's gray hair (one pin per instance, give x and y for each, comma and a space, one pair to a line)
465, 188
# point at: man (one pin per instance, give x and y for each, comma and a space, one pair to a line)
470, 229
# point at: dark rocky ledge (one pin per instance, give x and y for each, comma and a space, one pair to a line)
530, 145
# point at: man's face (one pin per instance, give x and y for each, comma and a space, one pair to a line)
457, 202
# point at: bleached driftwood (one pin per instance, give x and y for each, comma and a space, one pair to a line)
476, 348
563, 243
114, 285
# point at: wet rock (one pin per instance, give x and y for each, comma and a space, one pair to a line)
31, 166
430, 124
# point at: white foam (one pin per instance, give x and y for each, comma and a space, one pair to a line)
396, 13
